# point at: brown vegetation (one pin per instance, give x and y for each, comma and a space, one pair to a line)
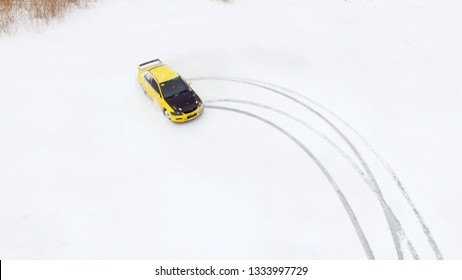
13, 12
6, 15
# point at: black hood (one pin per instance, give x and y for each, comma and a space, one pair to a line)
186, 101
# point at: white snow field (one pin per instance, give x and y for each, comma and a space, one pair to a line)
332, 130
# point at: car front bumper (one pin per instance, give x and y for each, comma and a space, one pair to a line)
187, 117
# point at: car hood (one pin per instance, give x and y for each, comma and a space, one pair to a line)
184, 102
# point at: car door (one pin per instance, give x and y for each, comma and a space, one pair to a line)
151, 88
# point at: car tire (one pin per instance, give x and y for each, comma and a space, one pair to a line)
166, 114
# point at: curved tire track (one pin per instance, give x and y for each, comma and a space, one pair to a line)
338, 191
396, 230
388, 168
317, 132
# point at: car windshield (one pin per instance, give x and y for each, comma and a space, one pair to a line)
173, 87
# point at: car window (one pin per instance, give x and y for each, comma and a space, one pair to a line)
155, 86
152, 82
174, 86
147, 77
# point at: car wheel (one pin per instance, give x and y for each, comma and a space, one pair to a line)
166, 114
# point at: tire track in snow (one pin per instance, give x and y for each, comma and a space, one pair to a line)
317, 132
338, 191
437, 252
396, 230
324, 137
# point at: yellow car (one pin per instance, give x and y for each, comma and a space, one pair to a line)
176, 97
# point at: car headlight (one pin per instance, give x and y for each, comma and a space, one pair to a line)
176, 113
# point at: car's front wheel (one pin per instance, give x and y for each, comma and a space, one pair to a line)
166, 114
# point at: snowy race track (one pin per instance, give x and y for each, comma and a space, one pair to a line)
402, 243
302, 100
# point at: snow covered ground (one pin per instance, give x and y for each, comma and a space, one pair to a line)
89, 167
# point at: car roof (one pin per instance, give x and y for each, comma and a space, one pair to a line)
163, 73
